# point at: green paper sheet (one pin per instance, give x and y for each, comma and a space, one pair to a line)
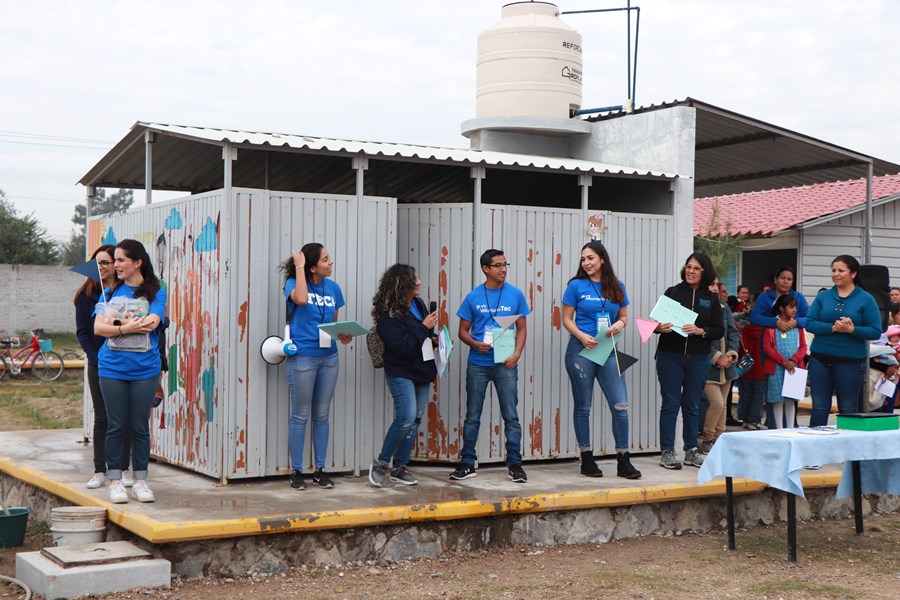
351, 328
601, 352
504, 343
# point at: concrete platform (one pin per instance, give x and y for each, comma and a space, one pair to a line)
194, 507
52, 580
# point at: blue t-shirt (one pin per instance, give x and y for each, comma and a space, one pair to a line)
323, 300
479, 308
133, 366
587, 298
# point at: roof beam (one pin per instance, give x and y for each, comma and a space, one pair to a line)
741, 139
838, 164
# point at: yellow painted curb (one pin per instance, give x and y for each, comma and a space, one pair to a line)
159, 532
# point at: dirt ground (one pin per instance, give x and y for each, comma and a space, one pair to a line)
833, 562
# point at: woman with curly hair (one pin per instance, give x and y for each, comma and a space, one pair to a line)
405, 327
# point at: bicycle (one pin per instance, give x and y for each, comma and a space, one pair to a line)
45, 364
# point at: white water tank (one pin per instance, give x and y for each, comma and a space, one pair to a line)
529, 64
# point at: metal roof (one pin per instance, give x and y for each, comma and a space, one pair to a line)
189, 158
770, 212
736, 154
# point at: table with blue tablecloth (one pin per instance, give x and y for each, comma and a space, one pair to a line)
777, 458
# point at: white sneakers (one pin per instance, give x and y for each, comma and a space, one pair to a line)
117, 494
97, 481
127, 480
142, 492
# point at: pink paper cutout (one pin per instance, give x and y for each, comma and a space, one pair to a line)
646, 327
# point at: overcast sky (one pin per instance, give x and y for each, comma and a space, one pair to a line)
76, 75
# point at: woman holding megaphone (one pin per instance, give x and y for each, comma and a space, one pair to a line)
312, 372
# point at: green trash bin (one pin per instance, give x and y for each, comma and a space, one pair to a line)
12, 527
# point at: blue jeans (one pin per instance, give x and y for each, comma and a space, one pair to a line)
842, 379
681, 381
582, 374
410, 400
753, 397
505, 383
311, 380
128, 405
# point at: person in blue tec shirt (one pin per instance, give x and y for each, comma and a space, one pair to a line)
479, 330
594, 297
312, 373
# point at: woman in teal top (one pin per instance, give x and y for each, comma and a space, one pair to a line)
843, 319
311, 373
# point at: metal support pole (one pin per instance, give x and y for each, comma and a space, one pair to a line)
478, 174
149, 140
792, 528
228, 240
867, 245
360, 164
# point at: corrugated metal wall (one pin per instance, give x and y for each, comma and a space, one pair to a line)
543, 246
226, 411
818, 247
182, 238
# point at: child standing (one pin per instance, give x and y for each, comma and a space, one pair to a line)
788, 350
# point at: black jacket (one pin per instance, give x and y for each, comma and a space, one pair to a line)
709, 311
84, 326
403, 339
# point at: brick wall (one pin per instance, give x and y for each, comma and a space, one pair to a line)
34, 296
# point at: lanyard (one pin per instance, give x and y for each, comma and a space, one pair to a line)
321, 297
488, 303
599, 295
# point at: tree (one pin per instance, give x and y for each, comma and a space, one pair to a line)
22, 240
722, 250
74, 250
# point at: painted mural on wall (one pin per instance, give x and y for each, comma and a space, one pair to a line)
184, 250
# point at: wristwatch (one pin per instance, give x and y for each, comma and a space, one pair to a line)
117, 322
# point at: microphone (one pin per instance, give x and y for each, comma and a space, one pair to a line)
432, 307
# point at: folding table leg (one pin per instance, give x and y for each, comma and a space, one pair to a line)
729, 498
857, 496
792, 528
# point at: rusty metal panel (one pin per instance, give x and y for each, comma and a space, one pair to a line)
181, 236
361, 241
646, 274
436, 239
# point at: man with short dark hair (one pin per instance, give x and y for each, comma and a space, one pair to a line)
481, 330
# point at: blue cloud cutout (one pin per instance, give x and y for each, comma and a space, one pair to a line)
110, 237
208, 240
173, 221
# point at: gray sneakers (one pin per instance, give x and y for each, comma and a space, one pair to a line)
669, 461
377, 473
403, 476
693, 458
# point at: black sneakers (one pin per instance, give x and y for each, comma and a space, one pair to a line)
297, 481
517, 474
463, 471
321, 479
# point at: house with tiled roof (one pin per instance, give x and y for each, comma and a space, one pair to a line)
805, 227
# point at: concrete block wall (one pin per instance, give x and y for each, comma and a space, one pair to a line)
37, 296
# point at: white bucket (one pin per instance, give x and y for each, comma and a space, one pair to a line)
71, 525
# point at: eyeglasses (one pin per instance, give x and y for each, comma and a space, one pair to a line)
104, 263
692, 268
499, 265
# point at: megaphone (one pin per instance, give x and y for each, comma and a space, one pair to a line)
275, 349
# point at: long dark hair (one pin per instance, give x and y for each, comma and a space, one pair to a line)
91, 287
853, 265
135, 250
392, 297
609, 283
784, 300
708, 275
313, 252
